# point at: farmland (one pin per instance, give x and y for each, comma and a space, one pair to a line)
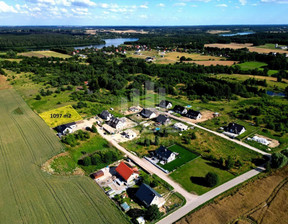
241, 204
59, 116
29, 195
42, 54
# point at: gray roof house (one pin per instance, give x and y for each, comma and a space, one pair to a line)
106, 115
165, 104
164, 154
162, 119
148, 196
116, 122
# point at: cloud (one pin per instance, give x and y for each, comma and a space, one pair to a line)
222, 5
143, 6
243, 2
180, 4
6, 8
82, 3
275, 1
161, 5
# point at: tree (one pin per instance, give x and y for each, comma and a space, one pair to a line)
147, 142
96, 159
38, 97
94, 129
286, 92
152, 213
278, 160
193, 135
87, 161
211, 179
156, 140
230, 163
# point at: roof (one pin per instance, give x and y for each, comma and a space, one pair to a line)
146, 113
146, 194
62, 127
105, 114
114, 121
164, 103
98, 174
163, 152
179, 108
236, 128
125, 206
124, 171
180, 125
193, 113
161, 118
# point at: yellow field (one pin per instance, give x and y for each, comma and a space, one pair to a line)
43, 54
59, 116
173, 57
10, 59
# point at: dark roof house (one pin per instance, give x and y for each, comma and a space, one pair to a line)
193, 114
64, 127
180, 110
147, 113
164, 154
165, 104
116, 122
162, 119
147, 195
235, 128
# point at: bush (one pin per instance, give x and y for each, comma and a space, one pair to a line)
87, 161
278, 160
152, 213
211, 179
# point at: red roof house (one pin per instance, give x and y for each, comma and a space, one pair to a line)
126, 172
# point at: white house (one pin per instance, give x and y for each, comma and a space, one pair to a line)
117, 123
105, 115
164, 154
66, 128
193, 114
180, 126
165, 104
235, 128
148, 113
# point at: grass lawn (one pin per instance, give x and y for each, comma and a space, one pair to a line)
191, 175
59, 116
184, 156
251, 65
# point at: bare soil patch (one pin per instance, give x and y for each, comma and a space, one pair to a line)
208, 63
244, 200
3, 83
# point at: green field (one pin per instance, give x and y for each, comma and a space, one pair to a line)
29, 195
184, 156
42, 54
191, 175
251, 65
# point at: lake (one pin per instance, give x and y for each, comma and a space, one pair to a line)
271, 93
236, 34
108, 43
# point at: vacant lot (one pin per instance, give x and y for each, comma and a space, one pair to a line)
191, 175
247, 45
184, 156
3, 83
59, 116
28, 195
244, 202
43, 54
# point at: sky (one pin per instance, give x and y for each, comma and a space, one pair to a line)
142, 12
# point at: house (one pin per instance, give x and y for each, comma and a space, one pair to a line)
235, 128
162, 119
147, 113
126, 172
149, 59
129, 134
165, 104
140, 220
148, 196
105, 115
66, 128
193, 114
216, 114
98, 174
180, 126
180, 110
164, 154
117, 123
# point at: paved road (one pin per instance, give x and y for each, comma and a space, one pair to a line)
150, 168
191, 205
220, 135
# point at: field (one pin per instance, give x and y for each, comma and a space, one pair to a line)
29, 195
61, 115
258, 199
208, 63
247, 45
183, 157
256, 65
43, 54
3, 83
191, 175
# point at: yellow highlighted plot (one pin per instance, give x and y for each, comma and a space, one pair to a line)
59, 116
